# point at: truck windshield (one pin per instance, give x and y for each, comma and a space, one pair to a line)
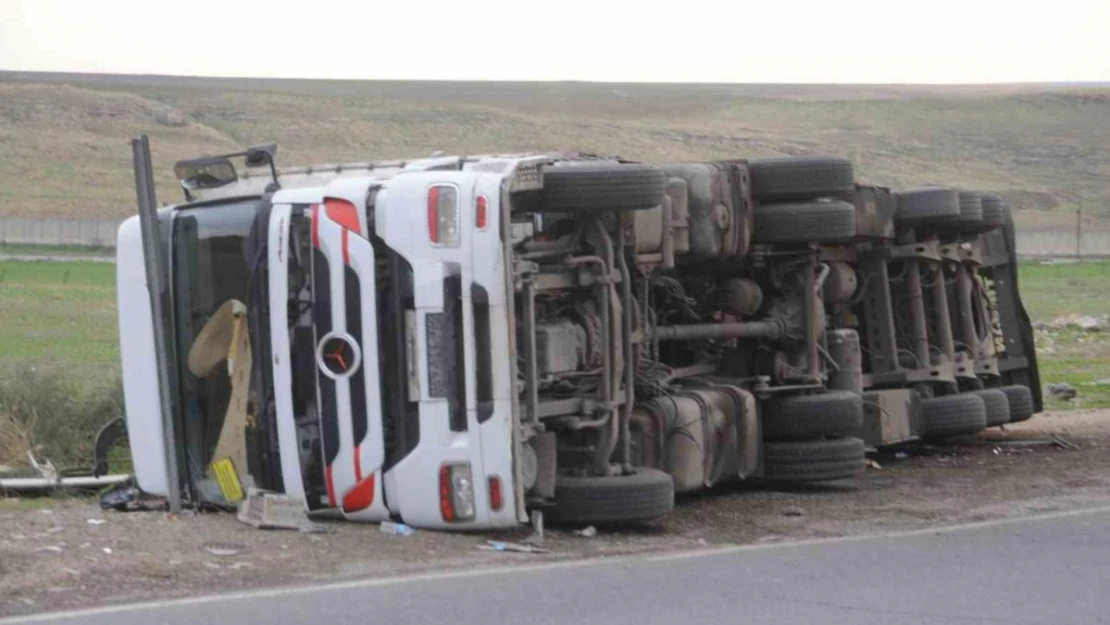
211, 273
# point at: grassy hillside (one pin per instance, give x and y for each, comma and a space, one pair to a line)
64, 138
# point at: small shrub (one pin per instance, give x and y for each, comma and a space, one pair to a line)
55, 416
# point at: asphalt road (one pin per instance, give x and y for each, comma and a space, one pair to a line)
1051, 569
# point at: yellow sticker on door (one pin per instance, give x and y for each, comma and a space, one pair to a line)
227, 479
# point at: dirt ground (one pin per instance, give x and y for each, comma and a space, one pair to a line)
71, 554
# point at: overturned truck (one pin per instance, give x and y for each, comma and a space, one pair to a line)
467, 342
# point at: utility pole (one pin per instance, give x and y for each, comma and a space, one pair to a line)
157, 280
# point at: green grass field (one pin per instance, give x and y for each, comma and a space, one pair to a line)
1079, 358
62, 317
59, 316
1052, 290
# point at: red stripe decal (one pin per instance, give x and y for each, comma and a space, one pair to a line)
346, 250
315, 225
360, 497
331, 487
358, 464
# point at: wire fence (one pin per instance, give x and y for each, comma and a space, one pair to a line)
59, 231
1062, 243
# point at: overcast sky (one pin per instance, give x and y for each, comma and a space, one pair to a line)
925, 41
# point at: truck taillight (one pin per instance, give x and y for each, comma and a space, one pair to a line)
443, 215
480, 212
456, 492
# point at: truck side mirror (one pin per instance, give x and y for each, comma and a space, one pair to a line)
206, 172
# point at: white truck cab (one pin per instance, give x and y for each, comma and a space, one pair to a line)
386, 337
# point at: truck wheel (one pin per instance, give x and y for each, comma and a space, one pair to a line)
971, 207
813, 461
836, 413
927, 204
828, 221
994, 211
580, 187
646, 495
1021, 402
997, 405
800, 177
952, 415
970, 220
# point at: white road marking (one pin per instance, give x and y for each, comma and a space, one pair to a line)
75, 615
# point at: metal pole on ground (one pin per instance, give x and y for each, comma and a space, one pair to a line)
156, 277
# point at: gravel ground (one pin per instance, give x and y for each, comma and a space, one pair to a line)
71, 554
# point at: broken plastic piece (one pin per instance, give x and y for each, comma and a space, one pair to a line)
225, 549
269, 510
497, 545
396, 529
120, 498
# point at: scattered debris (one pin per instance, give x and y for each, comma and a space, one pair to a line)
128, 498
1090, 324
239, 565
873, 464
1063, 443
586, 532
107, 550
225, 549
1062, 390
265, 509
1101, 382
396, 529
52, 548
900, 455
317, 528
119, 497
793, 511
73, 572
1032, 442
496, 545
95, 522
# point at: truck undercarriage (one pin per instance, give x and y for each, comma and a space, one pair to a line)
484, 339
